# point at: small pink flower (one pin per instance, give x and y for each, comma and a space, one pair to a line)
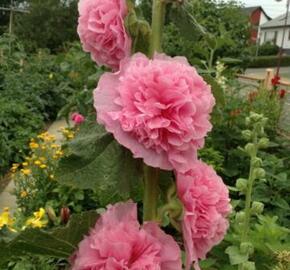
102, 31
119, 242
206, 206
159, 109
77, 118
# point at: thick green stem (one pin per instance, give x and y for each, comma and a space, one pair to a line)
158, 14
151, 193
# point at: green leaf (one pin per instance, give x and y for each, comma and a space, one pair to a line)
216, 89
235, 255
58, 243
99, 163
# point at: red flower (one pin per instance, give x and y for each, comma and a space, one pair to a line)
282, 93
276, 80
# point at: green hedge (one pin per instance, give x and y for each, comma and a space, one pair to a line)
269, 61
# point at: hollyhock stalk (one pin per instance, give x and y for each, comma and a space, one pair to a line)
151, 175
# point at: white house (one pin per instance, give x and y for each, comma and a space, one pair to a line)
273, 31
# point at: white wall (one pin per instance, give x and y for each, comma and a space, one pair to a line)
263, 19
270, 34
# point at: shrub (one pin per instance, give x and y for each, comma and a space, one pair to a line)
269, 61
268, 48
33, 88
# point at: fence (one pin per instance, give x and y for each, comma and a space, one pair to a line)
266, 82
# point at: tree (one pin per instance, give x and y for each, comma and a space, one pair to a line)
224, 20
48, 24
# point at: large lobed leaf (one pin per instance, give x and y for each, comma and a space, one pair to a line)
97, 162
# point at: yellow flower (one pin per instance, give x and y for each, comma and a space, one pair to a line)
59, 152
43, 159
37, 162
5, 218
23, 194
14, 167
43, 166
55, 157
54, 146
26, 171
51, 176
70, 135
43, 147
24, 164
34, 145
50, 76
38, 220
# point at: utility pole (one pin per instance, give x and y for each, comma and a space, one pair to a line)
11, 10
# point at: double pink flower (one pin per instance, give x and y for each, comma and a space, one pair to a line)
102, 31
119, 242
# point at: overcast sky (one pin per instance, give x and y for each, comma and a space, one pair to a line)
272, 7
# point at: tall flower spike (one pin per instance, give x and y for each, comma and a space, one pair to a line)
159, 109
206, 206
102, 31
119, 242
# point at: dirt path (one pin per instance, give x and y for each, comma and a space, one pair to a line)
9, 200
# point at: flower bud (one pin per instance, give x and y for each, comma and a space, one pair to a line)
240, 217
248, 121
255, 117
257, 208
64, 215
246, 248
242, 184
247, 134
257, 162
51, 213
250, 149
259, 173
263, 143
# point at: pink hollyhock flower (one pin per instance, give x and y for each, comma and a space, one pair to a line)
206, 206
102, 31
158, 108
77, 118
119, 242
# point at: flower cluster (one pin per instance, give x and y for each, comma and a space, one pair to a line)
159, 109
118, 241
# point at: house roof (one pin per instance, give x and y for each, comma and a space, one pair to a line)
250, 10
277, 22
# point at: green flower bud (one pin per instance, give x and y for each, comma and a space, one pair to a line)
247, 134
250, 149
255, 117
247, 248
240, 217
259, 173
242, 184
257, 162
257, 208
263, 143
